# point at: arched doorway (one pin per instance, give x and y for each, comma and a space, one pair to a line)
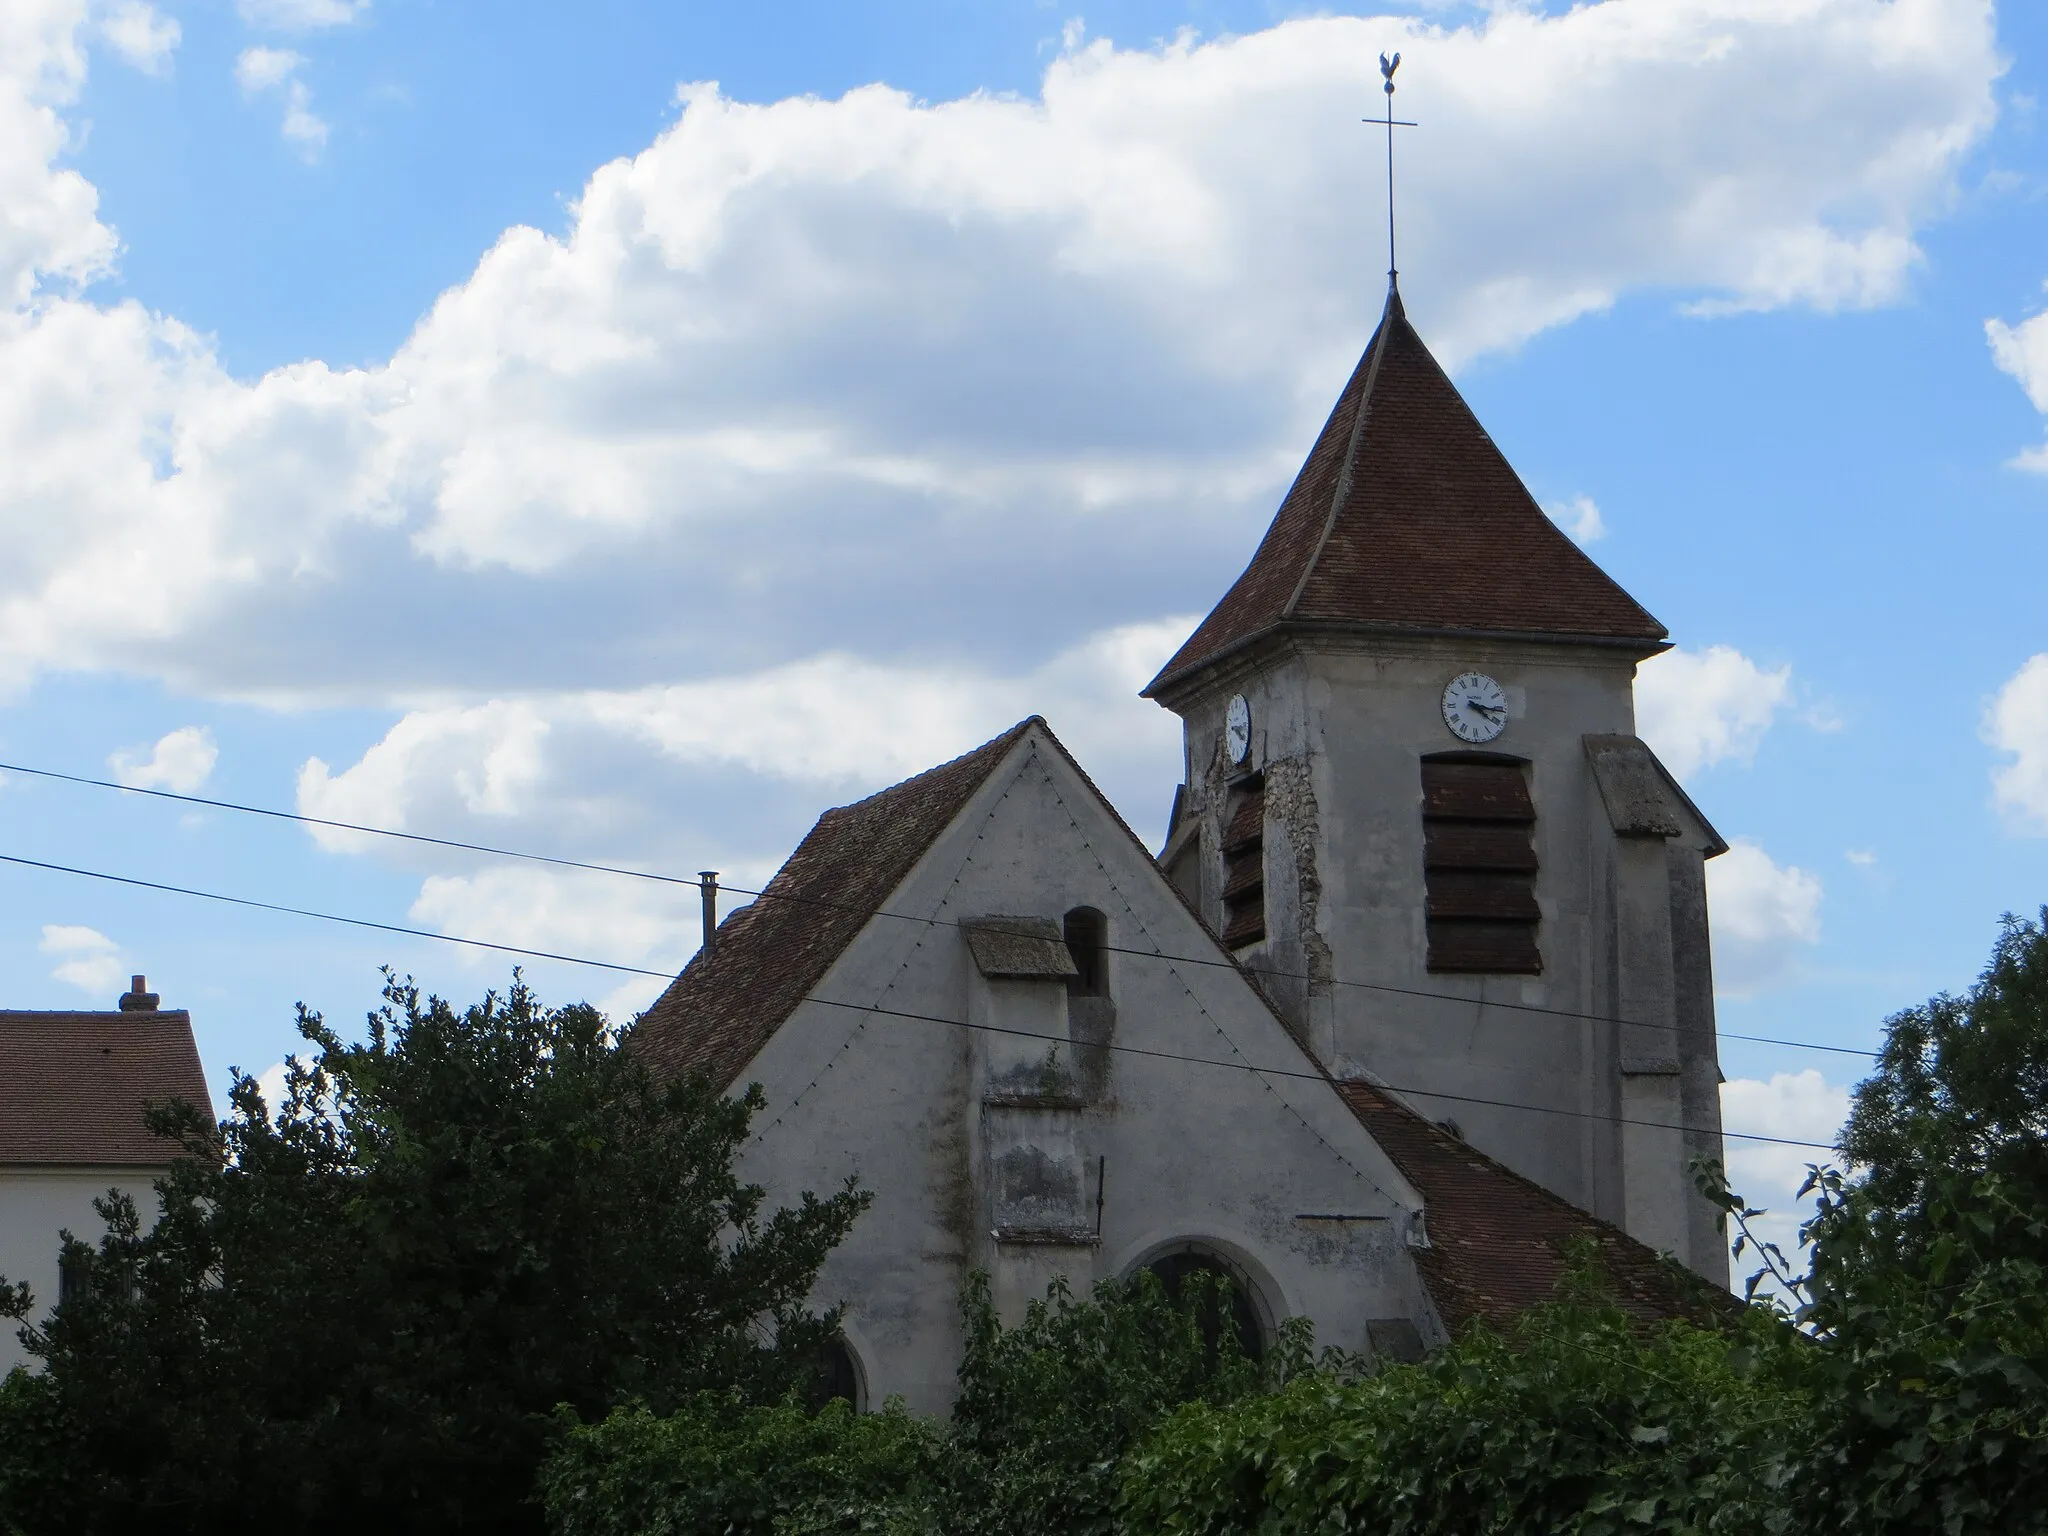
835, 1375
1241, 1312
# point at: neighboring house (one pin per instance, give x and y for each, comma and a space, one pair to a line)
73, 1087
1417, 991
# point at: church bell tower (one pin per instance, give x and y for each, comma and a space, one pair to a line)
1414, 803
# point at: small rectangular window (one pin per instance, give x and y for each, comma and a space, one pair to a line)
1479, 864
1087, 935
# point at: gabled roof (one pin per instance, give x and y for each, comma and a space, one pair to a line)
1407, 516
73, 1085
716, 1016
1497, 1241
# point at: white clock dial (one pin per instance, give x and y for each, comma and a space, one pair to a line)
1474, 707
1237, 728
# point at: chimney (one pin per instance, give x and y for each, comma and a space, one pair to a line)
708, 884
138, 998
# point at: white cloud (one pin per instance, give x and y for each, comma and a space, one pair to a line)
1799, 1106
645, 778
835, 721
51, 230
259, 70
1862, 858
271, 1083
263, 69
1761, 915
1579, 517
179, 761
142, 35
2022, 351
809, 370
2017, 722
1698, 708
300, 15
92, 961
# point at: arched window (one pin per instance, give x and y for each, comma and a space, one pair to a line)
1174, 1270
1087, 934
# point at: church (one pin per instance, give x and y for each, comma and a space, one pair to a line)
1416, 993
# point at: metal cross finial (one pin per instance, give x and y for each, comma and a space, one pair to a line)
1387, 68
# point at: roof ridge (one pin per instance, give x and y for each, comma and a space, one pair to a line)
1348, 472
924, 774
726, 1005
1408, 517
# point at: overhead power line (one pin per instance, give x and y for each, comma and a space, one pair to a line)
456, 844
865, 1008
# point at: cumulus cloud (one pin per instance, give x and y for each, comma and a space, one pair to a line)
90, 960
646, 778
1579, 517
1762, 915
2017, 722
300, 15
180, 761
142, 35
2022, 352
1698, 708
50, 231
984, 373
262, 71
1799, 1106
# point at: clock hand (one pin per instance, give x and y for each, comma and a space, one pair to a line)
1485, 709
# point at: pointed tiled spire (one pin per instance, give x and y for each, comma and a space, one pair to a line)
1406, 516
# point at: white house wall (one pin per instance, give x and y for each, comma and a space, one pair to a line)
36, 1203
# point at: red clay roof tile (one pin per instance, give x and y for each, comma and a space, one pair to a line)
1406, 515
73, 1085
1497, 1241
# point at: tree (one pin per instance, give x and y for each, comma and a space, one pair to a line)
1929, 1264
360, 1311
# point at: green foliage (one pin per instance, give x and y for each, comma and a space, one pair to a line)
1046, 1412
1580, 1423
1047, 1409
717, 1467
361, 1310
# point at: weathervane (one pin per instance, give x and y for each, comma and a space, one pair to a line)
1387, 68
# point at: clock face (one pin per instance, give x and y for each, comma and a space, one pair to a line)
1474, 707
1237, 728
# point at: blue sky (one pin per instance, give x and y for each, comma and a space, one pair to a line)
810, 442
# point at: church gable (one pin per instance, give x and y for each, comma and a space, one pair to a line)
1406, 515
978, 995
769, 954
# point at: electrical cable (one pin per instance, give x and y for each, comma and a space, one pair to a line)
819, 901
929, 1018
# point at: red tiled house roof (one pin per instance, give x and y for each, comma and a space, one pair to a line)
1407, 516
716, 1016
73, 1085
1498, 1242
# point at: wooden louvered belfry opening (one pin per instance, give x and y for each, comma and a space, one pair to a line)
1244, 864
1479, 864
